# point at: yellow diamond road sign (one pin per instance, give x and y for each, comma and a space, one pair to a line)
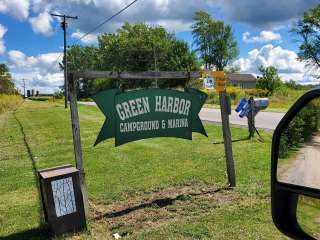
220, 80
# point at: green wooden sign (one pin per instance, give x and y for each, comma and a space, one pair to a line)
149, 113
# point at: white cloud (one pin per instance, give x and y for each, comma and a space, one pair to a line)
47, 83
3, 31
41, 72
266, 13
17, 58
16, 8
174, 25
283, 59
47, 62
263, 37
88, 39
42, 23
174, 15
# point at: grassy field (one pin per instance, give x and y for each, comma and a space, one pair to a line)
150, 189
9, 102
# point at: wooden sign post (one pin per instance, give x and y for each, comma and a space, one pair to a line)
77, 138
220, 86
73, 83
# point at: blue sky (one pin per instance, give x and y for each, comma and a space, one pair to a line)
31, 40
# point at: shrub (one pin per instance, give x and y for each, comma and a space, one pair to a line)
234, 92
58, 95
213, 96
270, 79
42, 98
300, 129
9, 102
257, 92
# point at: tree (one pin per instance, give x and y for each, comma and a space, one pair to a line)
84, 58
292, 84
81, 58
6, 82
270, 79
133, 47
215, 41
308, 28
139, 47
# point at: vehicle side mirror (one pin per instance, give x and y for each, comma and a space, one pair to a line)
295, 167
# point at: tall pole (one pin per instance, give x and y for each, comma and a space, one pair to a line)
251, 114
64, 26
24, 87
227, 139
220, 86
77, 137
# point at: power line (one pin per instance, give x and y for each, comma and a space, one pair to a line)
94, 29
107, 20
55, 61
99, 25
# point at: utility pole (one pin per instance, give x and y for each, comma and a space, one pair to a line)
64, 26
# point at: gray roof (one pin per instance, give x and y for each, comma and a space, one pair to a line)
241, 77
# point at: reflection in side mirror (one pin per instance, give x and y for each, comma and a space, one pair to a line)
308, 215
295, 168
299, 148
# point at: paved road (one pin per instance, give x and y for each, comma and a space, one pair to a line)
304, 169
265, 120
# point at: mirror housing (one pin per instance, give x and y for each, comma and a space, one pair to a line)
284, 196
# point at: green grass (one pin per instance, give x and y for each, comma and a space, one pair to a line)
308, 215
125, 176
9, 102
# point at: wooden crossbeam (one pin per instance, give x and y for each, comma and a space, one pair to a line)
151, 75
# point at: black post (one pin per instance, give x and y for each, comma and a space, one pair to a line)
251, 115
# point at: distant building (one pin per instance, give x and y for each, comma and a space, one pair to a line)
242, 80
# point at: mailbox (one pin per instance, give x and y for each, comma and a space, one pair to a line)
244, 112
62, 199
261, 103
241, 105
